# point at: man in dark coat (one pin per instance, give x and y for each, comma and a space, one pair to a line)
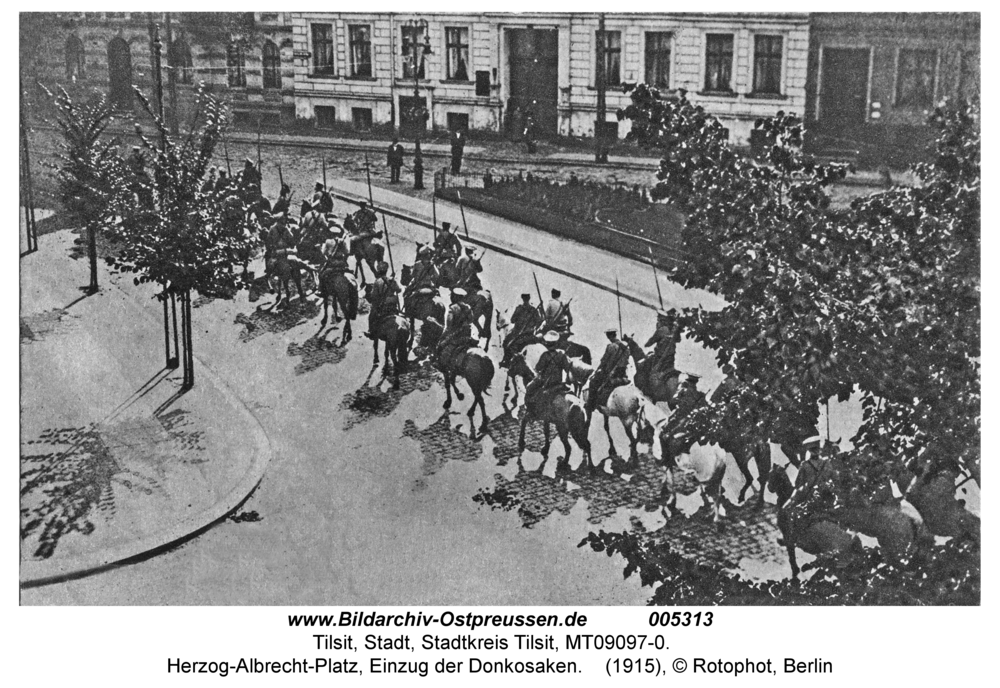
525, 321
457, 150
384, 298
610, 373
550, 371
394, 159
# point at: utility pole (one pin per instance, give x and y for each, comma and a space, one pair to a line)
27, 191
601, 153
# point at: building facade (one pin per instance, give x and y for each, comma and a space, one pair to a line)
487, 71
873, 78
862, 81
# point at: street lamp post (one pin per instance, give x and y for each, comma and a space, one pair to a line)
418, 112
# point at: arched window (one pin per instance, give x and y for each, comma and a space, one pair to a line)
120, 73
74, 58
180, 57
236, 65
271, 57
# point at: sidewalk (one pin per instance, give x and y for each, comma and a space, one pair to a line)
116, 460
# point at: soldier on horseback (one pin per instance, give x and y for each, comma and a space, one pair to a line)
209, 185
384, 298
665, 340
550, 371
526, 320
423, 281
284, 202
556, 316
611, 372
457, 337
467, 270
447, 249
323, 198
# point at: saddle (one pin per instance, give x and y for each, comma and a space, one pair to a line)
544, 396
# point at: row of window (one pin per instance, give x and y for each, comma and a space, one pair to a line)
718, 61
414, 48
179, 57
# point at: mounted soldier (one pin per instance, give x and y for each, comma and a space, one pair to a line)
336, 283
447, 249
525, 320
323, 198
467, 269
655, 374
665, 340
364, 244
249, 182
284, 202
611, 372
384, 298
209, 184
556, 316
549, 373
313, 231
457, 337
421, 285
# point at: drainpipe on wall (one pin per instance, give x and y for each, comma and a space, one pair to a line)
392, 73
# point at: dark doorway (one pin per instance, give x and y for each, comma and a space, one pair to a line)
120, 74
534, 76
843, 101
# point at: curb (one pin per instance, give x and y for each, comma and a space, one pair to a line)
42, 572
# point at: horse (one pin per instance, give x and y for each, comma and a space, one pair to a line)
394, 330
566, 411
627, 404
422, 304
477, 369
481, 303
342, 289
280, 269
812, 533
364, 248
708, 463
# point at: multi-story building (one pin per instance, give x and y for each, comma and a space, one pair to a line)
485, 71
873, 78
861, 81
244, 58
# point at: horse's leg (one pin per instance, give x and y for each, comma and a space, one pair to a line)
633, 440
607, 429
297, 278
375, 349
447, 401
482, 407
791, 557
545, 448
326, 304
347, 332
763, 459
520, 439
668, 496
564, 436
743, 461
391, 351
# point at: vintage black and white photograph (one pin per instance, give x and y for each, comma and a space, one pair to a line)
494, 308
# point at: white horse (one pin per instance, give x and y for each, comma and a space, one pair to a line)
637, 415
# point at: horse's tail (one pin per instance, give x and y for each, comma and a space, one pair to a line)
579, 428
479, 370
349, 298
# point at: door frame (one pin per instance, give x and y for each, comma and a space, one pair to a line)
505, 59
868, 87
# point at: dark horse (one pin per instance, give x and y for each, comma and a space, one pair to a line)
566, 411
395, 332
342, 289
477, 369
365, 246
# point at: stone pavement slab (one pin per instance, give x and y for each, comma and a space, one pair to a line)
116, 459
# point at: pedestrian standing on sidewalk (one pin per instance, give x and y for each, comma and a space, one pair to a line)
457, 150
394, 159
529, 129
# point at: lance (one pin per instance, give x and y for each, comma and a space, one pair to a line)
259, 168
225, 147
541, 302
281, 178
618, 295
434, 212
460, 205
368, 172
324, 175
656, 279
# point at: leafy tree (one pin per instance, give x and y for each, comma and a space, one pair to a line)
880, 299
88, 165
186, 242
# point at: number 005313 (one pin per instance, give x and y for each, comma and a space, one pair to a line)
680, 619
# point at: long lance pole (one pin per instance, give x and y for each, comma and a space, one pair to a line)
259, 168
434, 213
652, 261
541, 302
618, 295
324, 174
225, 147
281, 177
371, 198
462, 207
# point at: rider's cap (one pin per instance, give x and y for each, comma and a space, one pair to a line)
551, 337
319, 184
458, 291
526, 296
381, 267
611, 330
445, 225
556, 293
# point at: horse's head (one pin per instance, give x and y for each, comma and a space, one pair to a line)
518, 367
780, 484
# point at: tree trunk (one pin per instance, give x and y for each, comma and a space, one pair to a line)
92, 250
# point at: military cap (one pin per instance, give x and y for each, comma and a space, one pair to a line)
551, 337
458, 291
611, 330
556, 293
381, 267
526, 297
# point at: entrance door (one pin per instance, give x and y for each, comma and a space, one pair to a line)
534, 75
843, 101
120, 73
